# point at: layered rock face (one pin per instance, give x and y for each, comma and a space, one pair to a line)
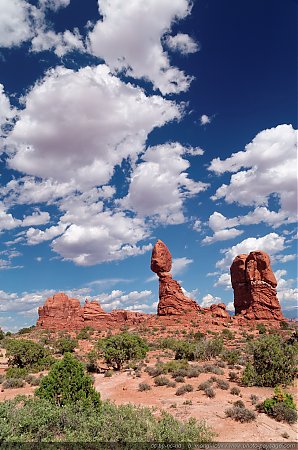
63, 313
254, 287
60, 312
172, 301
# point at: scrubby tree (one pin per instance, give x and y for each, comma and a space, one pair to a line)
2, 334
273, 362
66, 345
121, 348
68, 383
26, 353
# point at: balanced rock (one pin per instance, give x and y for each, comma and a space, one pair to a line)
161, 259
254, 287
172, 301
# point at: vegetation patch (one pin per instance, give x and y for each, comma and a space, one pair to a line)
281, 406
184, 389
39, 420
121, 348
240, 414
274, 362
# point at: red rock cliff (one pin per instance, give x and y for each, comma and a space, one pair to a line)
254, 287
63, 313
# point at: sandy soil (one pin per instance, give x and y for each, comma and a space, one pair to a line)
123, 388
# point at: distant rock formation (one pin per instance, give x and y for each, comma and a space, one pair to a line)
254, 287
172, 301
219, 310
63, 313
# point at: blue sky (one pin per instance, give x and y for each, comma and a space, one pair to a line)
125, 122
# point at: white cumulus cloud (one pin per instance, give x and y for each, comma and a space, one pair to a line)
182, 43
209, 300
269, 166
160, 184
79, 125
271, 243
129, 37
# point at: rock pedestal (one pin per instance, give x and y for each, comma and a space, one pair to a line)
254, 287
172, 301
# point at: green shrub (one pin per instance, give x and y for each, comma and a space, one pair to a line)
208, 348
26, 330
240, 414
194, 372
85, 333
174, 366
66, 345
180, 379
232, 356
91, 364
185, 350
32, 380
233, 376
183, 389
144, 387
222, 384
168, 343
12, 383
239, 403
161, 381
154, 371
67, 382
2, 334
108, 374
284, 325
261, 327
198, 336
249, 375
204, 385
212, 368
282, 413
24, 353
235, 391
122, 348
281, 406
17, 372
228, 334
36, 420
274, 361
221, 364
254, 398
209, 391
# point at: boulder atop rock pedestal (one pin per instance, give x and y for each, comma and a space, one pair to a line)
172, 301
161, 259
254, 287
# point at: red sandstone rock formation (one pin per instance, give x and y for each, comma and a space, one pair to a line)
172, 301
219, 310
60, 312
92, 311
63, 313
254, 287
